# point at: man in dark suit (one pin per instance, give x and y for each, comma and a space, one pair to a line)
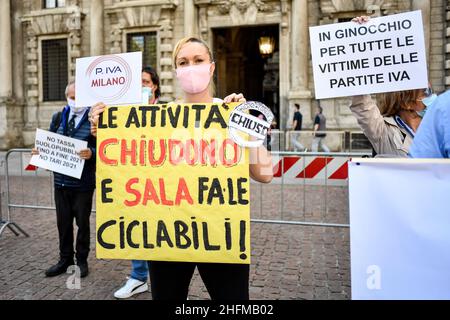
73, 197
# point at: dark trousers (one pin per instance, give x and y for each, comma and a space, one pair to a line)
70, 205
170, 280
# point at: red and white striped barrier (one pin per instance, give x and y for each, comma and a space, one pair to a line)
26, 158
293, 169
311, 170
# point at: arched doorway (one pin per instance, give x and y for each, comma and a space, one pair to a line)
241, 67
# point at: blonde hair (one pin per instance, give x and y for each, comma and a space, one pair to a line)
181, 43
391, 103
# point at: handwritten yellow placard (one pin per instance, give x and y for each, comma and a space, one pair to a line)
171, 185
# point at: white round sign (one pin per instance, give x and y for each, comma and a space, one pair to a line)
255, 127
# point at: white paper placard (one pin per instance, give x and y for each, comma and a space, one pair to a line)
399, 228
385, 54
112, 79
58, 153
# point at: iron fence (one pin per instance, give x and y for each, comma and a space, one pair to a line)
308, 189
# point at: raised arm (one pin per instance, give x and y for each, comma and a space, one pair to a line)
261, 168
369, 119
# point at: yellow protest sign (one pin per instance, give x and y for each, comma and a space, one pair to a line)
172, 185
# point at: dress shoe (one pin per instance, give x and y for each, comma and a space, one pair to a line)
59, 268
84, 270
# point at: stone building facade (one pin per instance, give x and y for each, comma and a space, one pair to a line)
95, 27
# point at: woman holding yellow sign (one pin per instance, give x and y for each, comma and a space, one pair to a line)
194, 67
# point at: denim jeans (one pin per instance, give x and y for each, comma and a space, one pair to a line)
139, 270
318, 143
298, 146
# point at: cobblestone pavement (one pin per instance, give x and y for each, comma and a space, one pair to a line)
288, 261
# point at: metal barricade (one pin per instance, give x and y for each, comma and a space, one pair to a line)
276, 142
307, 189
39, 194
303, 140
357, 141
26, 189
337, 141
8, 221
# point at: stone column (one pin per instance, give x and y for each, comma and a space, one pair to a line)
166, 75
18, 44
425, 6
299, 91
189, 18
203, 22
300, 45
31, 113
6, 82
285, 68
97, 22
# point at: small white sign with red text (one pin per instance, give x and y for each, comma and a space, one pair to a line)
111, 79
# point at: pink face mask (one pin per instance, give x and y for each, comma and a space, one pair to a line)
194, 79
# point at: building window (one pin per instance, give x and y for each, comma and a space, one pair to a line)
145, 42
345, 19
49, 4
54, 69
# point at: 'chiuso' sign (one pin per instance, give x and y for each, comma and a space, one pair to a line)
383, 55
111, 79
172, 185
399, 228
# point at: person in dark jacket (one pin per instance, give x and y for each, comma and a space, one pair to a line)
297, 127
73, 197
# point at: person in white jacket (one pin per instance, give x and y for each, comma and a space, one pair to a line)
391, 125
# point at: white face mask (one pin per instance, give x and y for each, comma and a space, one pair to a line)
71, 104
146, 94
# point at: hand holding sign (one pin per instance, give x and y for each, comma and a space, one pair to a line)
361, 20
94, 116
85, 154
234, 97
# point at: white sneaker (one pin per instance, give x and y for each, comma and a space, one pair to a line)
131, 288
